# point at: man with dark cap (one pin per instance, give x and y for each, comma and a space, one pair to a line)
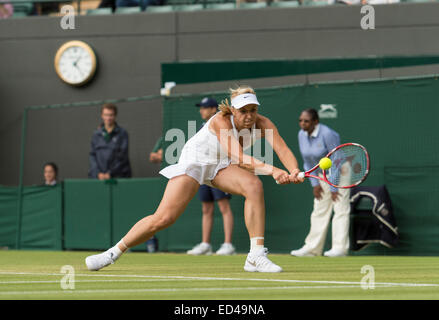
208, 195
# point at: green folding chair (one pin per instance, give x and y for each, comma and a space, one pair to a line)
99, 11
252, 5
179, 2
128, 10
419, 1
22, 9
188, 7
285, 4
159, 9
220, 6
316, 3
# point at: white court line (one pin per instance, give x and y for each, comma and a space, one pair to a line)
171, 290
58, 281
224, 279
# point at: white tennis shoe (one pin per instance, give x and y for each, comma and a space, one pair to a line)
226, 249
335, 253
99, 261
302, 252
257, 261
200, 249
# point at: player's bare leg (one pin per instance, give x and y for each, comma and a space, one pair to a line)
239, 181
236, 180
178, 193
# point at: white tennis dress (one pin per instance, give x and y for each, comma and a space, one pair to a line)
202, 156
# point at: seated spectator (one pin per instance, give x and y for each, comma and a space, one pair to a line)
109, 148
6, 10
50, 174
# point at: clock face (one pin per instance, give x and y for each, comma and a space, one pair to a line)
75, 63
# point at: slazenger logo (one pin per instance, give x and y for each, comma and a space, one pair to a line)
327, 111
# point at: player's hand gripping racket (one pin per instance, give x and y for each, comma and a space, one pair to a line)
350, 166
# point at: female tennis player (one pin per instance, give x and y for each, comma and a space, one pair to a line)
214, 156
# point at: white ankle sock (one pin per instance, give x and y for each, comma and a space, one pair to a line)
116, 251
253, 244
122, 243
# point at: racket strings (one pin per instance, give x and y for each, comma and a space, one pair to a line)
349, 166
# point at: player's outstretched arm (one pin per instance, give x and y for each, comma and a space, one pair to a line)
286, 156
231, 146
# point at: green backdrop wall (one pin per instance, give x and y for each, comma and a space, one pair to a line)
41, 223
98, 214
396, 120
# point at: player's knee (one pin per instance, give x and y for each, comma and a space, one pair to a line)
162, 222
253, 188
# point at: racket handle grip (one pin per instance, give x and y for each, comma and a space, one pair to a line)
300, 175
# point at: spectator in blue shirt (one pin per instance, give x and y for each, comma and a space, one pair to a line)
315, 141
109, 148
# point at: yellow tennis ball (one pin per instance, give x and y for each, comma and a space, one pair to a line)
325, 163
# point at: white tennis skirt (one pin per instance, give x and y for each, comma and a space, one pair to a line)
203, 173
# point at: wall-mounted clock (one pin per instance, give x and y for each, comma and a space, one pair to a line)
75, 63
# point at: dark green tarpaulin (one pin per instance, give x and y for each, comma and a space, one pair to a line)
213, 71
8, 216
41, 224
98, 214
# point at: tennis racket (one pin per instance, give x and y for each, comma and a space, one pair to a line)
350, 166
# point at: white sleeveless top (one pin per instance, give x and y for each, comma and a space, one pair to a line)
202, 156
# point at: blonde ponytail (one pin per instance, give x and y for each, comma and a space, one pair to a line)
225, 108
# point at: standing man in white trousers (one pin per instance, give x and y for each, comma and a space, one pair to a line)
315, 141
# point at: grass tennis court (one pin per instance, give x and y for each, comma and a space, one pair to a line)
171, 276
